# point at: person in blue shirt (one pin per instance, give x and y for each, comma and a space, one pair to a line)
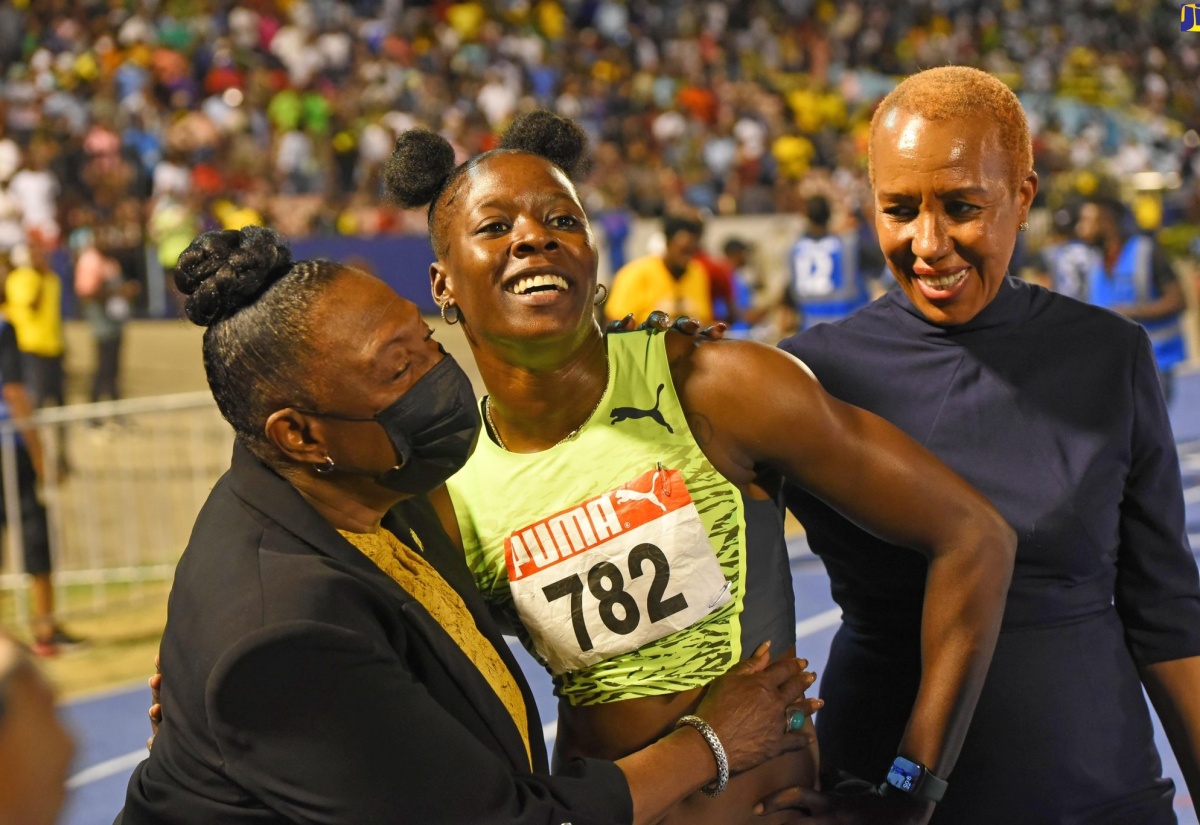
1066, 262
826, 280
1133, 276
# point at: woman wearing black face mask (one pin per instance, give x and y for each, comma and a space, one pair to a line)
329, 659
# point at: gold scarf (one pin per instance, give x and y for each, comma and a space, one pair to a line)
418, 577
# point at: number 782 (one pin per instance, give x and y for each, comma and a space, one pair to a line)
607, 585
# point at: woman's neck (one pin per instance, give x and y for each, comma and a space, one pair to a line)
343, 509
535, 407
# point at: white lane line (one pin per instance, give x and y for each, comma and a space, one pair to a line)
819, 622
107, 768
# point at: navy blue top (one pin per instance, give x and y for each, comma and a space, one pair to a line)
1053, 410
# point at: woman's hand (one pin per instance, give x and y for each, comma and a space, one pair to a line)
749, 707
155, 712
660, 321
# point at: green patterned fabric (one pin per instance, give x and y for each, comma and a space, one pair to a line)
638, 425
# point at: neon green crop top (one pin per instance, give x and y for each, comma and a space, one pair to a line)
622, 550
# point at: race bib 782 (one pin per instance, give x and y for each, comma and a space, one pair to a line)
615, 572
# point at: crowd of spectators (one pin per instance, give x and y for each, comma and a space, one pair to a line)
146, 121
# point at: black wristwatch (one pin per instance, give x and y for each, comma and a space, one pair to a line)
914, 779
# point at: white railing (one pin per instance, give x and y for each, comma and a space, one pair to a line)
123, 483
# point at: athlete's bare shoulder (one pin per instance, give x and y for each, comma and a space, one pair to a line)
733, 363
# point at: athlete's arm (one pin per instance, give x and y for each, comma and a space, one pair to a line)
752, 407
1174, 688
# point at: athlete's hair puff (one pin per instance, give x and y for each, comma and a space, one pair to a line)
557, 139
420, 167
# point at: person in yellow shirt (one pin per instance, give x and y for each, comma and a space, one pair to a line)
793, 153
674, 282
33, 305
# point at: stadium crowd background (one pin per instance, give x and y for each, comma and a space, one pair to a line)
132, 125
151, 120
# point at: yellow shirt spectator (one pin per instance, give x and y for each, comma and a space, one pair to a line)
793, 153
467, 19
234, 216
34, 307
645, 284
551, 19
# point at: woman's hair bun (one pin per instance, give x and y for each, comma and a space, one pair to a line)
557, 139
222, 272
419, 167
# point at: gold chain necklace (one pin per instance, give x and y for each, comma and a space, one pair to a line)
487, 413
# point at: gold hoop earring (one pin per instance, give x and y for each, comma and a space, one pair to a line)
601, 294
446, 306
1024, 225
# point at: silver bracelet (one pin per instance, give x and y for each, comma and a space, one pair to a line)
710, 736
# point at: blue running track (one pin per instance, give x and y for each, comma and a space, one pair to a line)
111, 727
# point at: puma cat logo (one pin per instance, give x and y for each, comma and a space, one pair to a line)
627, 495
630, 413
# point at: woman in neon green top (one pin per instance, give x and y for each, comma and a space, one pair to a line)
606, 467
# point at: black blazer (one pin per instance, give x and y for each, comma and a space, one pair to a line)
303, 685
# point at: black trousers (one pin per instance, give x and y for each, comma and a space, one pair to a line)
44, 379
105, 383
35, 530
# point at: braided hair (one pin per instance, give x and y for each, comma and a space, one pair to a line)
256, 304
422, 171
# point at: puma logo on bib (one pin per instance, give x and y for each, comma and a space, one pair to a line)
614, 573
619, 414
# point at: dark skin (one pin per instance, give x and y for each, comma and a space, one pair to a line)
369, 347
543, 360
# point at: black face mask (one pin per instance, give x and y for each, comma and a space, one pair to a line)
433, 428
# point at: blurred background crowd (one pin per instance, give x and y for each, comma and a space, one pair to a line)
128, 126
728, 181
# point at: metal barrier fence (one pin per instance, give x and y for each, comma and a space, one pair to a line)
123, 483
